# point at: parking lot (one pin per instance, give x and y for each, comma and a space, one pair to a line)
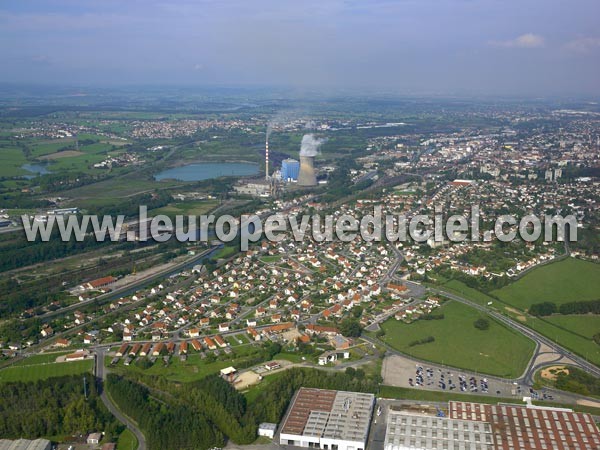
404, 372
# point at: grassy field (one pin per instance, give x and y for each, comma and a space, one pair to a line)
564, 281
11, 160
460, 288
196, 208
572, 332
127, 441
496, 351
561, 282
42, 358
61, 153
269, 259
252, 393
292, 357
585, 325
194, 368
225, 252
43, 371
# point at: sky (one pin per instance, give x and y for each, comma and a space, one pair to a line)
496, 47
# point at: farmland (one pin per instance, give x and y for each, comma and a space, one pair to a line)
495, 351
561, 282
61, 154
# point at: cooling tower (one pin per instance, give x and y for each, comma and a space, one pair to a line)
307, 176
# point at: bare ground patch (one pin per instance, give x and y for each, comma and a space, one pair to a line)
589, 403
520, 317
246, 379
62, 154
550, 373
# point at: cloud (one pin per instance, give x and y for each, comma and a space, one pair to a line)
583, 45
528, 40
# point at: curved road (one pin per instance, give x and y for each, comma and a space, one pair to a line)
114, 410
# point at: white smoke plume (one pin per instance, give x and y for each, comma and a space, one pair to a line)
279, 119
288, 116
310, 145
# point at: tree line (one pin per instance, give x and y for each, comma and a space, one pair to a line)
549, 308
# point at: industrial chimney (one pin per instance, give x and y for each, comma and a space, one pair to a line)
307, 176
267, 159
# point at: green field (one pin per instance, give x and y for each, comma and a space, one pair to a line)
12, 157
197, 208
104, 193
496, 351
11, 160
43, 371
458, 287
585, 325
42, 358
254, 391
127, 441
561, 282
194, 368
270, 259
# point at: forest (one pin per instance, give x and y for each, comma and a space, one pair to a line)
208, 412
53, 407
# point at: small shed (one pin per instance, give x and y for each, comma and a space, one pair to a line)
267, 429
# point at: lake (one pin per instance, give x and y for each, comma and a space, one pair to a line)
206, 171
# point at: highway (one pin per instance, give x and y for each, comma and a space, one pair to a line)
100, 373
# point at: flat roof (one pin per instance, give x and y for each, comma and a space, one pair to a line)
25, 444
406, 429
228, 370
532, 428
329, 414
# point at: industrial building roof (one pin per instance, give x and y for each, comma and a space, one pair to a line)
330, 414
531, 427
25, 444
407, 429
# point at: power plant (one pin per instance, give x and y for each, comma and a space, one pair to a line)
307, 176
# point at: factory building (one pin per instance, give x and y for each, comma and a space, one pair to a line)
476, 426
329, 420
409, 430
532, 427
25, 444
290, 168
255, 188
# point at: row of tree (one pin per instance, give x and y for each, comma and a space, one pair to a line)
549, 308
